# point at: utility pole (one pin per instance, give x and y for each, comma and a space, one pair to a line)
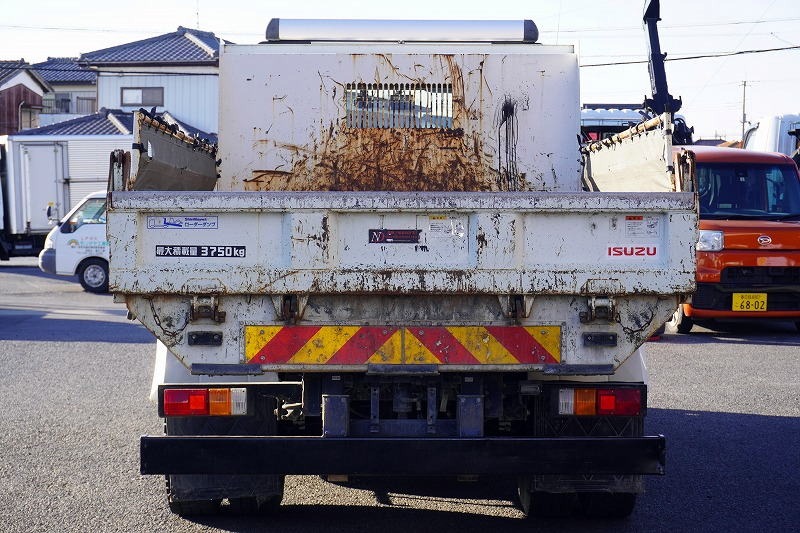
744, 115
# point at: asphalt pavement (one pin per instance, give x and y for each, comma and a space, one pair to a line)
76, 375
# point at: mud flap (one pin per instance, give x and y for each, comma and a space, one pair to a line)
193, 487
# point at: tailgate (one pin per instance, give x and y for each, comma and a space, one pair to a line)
401, 243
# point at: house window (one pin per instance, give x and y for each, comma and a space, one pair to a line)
85, 106
28, 118
49, 103
62, 101
142, 96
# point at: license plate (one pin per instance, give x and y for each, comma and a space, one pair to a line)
749, 301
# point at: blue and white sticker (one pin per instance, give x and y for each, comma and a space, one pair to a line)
182, 222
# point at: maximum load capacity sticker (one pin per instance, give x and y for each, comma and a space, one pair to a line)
181, 250
642, 226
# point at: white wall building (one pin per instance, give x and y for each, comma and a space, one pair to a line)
176, 71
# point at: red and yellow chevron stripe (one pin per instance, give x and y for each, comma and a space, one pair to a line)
360, 345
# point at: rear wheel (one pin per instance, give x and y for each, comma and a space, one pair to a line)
552, 505
544, 504
194, 508
608, 504
93, 275
680, 322
256, 505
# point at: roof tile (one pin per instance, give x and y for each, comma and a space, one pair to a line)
169, 48
10, 67
65, 70
98, 124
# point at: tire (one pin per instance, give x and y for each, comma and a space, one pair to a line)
552, 505
524, 495
255, 505
93, 275
194, 508
679, 322
607, 504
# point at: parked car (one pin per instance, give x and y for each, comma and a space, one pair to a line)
78, 245
748, 253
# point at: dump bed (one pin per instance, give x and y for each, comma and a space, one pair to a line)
391, 204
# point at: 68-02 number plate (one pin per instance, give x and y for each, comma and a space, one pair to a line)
749, 301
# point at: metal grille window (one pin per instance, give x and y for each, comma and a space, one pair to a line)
399, 105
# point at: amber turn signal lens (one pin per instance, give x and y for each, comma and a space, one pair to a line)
219, 402
585, 401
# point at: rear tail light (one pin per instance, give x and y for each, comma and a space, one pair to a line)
626, 402
599, 402
205, 402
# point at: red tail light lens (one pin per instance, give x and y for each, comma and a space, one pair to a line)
622, 402
185, 402
599, 402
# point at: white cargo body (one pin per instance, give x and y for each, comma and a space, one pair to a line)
47, 176
37, 179
301, 117
777, 133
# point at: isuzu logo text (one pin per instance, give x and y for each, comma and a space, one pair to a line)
623, 251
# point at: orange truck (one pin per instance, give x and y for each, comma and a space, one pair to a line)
748, 252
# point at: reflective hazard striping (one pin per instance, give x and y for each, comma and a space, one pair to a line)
361, 345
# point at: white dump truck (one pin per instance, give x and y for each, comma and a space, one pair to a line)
397, 261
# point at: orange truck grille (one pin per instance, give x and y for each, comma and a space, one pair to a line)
293, 346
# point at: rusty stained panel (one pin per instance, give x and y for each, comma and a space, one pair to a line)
340, 158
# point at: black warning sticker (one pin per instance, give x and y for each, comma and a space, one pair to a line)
196, 250
394, 236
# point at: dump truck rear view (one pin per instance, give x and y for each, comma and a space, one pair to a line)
391, 265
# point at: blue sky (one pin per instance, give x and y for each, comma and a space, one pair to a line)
605, 31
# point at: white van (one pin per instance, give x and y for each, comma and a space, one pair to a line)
78, 245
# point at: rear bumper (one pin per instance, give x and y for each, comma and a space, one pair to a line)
700, 314
407, 457
714, 300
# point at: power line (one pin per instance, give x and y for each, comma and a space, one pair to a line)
724, 61
678, 26
702, 56
614, 63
